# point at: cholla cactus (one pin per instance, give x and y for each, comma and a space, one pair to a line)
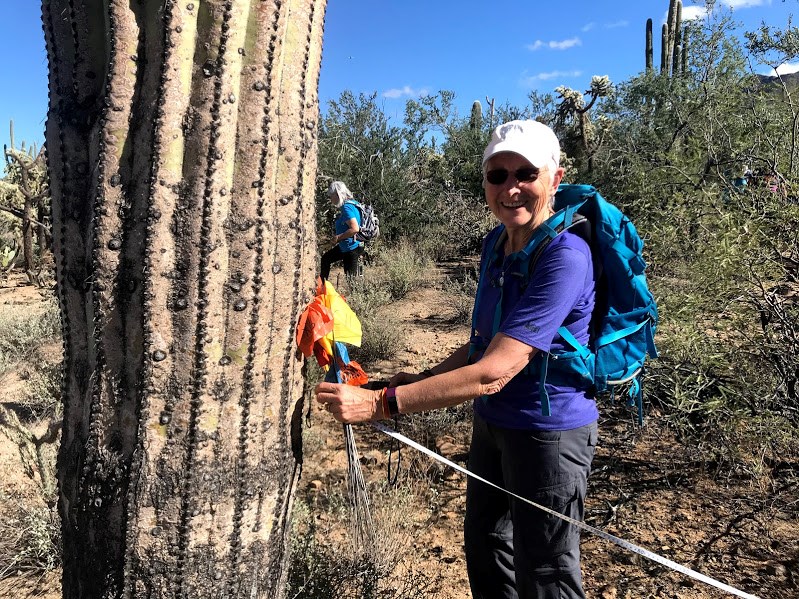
600, 86
24, 201
571, 99
573, 106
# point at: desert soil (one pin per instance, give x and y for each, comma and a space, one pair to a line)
647, 488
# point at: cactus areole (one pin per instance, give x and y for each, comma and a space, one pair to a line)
181, 150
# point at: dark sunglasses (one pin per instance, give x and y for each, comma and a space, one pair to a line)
525, 174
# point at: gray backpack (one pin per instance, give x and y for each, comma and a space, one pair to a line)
370, 224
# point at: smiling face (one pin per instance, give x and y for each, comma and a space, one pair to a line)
520, 205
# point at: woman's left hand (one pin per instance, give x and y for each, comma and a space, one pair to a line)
349, 404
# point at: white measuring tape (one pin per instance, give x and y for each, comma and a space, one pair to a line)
582, 525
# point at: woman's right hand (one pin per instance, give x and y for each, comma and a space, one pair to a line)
405, 378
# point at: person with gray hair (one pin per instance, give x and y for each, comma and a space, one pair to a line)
346, 247
536, 450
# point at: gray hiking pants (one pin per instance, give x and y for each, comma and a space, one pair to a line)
514, 550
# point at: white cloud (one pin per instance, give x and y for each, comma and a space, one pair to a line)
745, 3
532, 80
408, 91
555, 45
614, 25
691, 13
785, 68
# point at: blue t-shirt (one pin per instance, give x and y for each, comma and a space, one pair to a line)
348, 211
560, 293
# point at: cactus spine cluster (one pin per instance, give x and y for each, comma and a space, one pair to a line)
181, 150
673, 43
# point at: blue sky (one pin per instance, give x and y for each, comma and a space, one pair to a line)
406, 48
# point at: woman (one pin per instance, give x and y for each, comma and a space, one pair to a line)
512, 549
346, 246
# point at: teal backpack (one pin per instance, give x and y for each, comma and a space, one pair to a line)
625, 315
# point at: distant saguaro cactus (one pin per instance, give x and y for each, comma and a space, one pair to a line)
181, 149
476, 118
684, 57
676, 35
673, 42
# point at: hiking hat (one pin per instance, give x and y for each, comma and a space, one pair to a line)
531, 140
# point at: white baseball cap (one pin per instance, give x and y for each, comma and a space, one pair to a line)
531, 140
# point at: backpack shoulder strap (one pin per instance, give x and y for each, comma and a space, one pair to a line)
570, 220
493, 240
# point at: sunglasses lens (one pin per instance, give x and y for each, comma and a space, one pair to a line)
497, 176
526, 174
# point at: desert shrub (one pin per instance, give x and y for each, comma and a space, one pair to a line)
460, 292
325, 566
382, 334
21, 333
727, 293
367, 295
458, 230
404, 269
42, 393
30, 538
383, 337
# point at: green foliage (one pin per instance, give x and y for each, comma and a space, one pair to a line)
382, 336
417, 183
30, 538
403, 269
21, 333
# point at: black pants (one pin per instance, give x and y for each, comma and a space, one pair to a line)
336, 255
514, 550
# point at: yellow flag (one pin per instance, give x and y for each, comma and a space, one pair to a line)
346, 326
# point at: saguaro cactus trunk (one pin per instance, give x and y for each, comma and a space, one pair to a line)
181, 147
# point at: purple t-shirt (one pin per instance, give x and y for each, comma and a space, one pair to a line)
560, 293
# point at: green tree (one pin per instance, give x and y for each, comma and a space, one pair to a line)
181, 151
774, 47
357, 145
